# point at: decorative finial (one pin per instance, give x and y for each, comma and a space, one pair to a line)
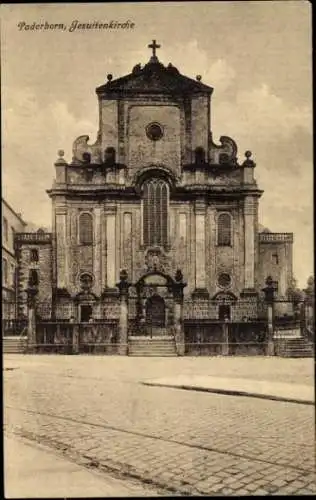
123, 275
248, 161
310, 281
154, 46
109, 77
199, 78
60, 160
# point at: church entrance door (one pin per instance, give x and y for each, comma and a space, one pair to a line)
156, 315
85, 313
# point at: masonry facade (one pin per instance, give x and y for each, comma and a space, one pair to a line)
157, 197
12, 223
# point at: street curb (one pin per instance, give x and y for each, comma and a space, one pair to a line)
229, 392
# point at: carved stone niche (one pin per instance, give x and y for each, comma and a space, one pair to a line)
157, 260
84, 153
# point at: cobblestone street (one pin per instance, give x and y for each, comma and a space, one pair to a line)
95, 411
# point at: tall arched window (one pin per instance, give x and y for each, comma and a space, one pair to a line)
155, 215
224, 230
33, 277
85, 229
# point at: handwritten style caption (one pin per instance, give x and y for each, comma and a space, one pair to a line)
76, 26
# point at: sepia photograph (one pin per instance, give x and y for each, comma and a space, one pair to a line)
158, 303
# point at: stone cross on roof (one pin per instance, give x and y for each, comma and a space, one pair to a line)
154, 46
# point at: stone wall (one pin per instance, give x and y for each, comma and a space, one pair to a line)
200, 123
109, 124
142, 151
275, 259
44, 270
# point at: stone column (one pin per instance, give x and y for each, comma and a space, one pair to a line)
97, 257
123, 287
31, 327
127, 250
178, 286
269, 298
270, 346
249, 219
183, 241
62, 248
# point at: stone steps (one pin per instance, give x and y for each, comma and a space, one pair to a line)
152, 346
14, 345
295, 348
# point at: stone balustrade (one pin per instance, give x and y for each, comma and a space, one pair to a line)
275, 237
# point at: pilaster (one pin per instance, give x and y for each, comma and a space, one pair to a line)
249, 231
126, 239
97, 260
200, 261
62, 247
110, 216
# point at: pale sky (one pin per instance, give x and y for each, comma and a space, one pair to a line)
256, 55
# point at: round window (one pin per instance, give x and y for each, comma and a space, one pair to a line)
154, 131
224, 280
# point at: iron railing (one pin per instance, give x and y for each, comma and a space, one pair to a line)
13, 327
65, 337
231, 348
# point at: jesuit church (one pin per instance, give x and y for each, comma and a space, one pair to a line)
159, 198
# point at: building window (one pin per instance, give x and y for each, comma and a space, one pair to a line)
224, 230
85, 229
33, 277
154, 131
34, 255
275, 258
13, 274
5, 229
155, 214
5, 271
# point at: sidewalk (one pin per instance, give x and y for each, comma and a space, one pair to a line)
34, 472
279, 391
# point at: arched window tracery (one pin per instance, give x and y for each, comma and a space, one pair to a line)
155, 212
224, 229
85, 229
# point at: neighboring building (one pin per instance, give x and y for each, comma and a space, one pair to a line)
12, 223
153, 195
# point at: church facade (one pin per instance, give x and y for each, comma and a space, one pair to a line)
156, 198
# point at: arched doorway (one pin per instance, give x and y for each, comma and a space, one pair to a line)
155, 313
224, 312
85, 313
